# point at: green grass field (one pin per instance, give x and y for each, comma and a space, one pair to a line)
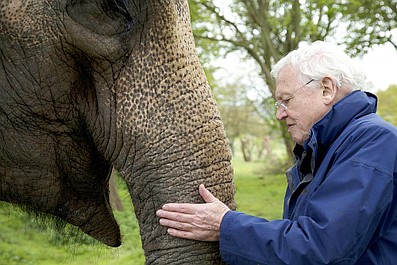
24, 241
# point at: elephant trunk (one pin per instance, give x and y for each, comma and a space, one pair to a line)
177, 142
172, 173
173, 137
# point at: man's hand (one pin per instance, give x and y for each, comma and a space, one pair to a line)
194, 221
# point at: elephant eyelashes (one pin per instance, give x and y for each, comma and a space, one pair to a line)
116, 8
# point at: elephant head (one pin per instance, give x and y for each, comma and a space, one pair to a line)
87, 85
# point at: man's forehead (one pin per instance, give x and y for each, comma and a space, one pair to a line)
285, 81
287, 74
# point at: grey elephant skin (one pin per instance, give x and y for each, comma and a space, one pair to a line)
87, 85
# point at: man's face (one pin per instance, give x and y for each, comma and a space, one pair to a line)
299, 105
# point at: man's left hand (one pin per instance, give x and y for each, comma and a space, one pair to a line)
194, 221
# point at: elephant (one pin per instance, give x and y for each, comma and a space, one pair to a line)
91, 85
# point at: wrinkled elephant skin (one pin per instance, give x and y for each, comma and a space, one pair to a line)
87, 85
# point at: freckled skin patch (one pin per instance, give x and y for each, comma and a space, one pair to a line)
13, 11
86, 91
28, 21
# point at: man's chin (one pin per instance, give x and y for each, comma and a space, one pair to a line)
298, 139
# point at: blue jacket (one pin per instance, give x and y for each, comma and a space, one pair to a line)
341, 202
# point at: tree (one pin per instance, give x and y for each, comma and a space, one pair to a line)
369, 28
387, 104
241, 121
265, 30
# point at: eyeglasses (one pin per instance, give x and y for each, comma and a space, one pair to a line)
284, 103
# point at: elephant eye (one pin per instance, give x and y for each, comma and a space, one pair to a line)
117, 8
108, 17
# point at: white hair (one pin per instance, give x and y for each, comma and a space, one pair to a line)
321, 59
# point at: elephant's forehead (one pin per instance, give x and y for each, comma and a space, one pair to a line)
13, 10
12, 14
27, 20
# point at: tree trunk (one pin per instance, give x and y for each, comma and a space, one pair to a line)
245, 148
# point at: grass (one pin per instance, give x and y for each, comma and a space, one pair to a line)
258, 194
23, 241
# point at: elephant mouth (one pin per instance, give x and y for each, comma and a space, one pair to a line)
93, 218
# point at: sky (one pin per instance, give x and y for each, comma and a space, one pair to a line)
380, 65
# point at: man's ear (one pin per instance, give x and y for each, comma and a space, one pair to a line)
329, 90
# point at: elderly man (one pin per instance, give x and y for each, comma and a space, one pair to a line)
341, 202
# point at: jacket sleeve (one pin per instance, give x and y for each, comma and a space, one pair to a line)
342, 215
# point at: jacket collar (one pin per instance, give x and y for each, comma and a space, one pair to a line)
326, 130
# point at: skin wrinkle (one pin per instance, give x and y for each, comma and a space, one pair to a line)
176, 159
23, 97
211, 167
164, 138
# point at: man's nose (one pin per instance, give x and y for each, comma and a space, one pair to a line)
281, 113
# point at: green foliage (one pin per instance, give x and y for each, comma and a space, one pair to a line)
387, 104
238, 113
369, 28
25, 241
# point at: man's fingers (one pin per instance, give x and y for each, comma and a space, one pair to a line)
176, 224
190, 208
180, 207
206, 194
176, 216
194, 221
182, 234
